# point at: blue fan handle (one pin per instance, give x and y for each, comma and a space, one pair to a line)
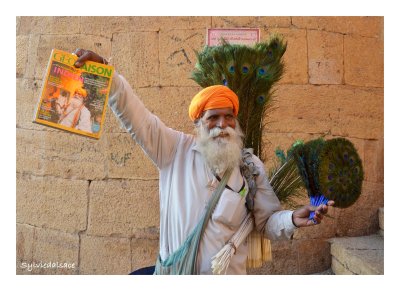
317, 201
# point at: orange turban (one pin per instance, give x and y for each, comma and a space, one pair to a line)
213, 97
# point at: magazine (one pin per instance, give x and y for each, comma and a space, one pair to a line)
74, 99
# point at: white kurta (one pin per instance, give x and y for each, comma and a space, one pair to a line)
186, 184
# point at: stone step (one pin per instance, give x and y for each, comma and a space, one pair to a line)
357, 255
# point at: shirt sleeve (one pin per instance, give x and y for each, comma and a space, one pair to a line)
273, 222
157, 140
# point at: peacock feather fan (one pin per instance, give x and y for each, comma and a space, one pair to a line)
340, 172
330, 170
248, 71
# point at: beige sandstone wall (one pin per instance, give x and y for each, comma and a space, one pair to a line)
95, 203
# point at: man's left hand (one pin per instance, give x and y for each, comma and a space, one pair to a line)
301, 216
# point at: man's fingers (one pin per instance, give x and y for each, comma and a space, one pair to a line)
330, 203
87, 55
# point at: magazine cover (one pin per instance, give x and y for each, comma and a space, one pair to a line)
74, 99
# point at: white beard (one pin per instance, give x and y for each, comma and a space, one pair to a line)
220, 153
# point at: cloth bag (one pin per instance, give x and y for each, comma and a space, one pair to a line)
184, 260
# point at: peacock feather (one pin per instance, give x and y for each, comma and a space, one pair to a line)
248, 71
340, 172
330, 170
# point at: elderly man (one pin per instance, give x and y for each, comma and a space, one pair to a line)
76, 115
190, 170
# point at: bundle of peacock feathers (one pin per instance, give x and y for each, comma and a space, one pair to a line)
330, 170
248, 71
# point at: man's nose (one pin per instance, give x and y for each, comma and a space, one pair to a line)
222, 123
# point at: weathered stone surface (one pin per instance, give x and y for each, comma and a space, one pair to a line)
127, 160
144, 252
285, 260
27, 100
360, 112
25, 236
373, 160
325, 57
105, 256
359, 255
56, 247
363, 61
136, 57
250, 21
183, 22
22, 54
339, 110
28, 68
52, 202
48, 25
381, 218
172, 106
360, 218
107, 26
68, 43
364, 26
61, 154
339, 269
313, 256
121, 207
177, 55
305, 109
295, 57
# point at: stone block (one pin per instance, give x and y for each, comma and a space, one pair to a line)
22, 54
119, 207
52, 247
28, 92
144, 253
295, 57
373, 160
136, 56
285, 260
28, 68
171, 106
177, 57
48, 25
325, 57
61, 154
359, 255
339, 269
250, 21
359, 110
363, 61
105, 256
304, 109
52, 202
68, 43
362, 217
24, 254
127, 160
314, 256
181, 22
364, 26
